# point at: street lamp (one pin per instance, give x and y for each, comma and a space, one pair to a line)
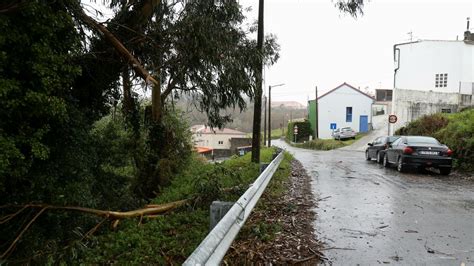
270, 112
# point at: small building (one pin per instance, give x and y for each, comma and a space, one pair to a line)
343, 106
383, 102
432, 76
223, 142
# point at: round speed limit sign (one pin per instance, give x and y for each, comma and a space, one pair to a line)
392, 119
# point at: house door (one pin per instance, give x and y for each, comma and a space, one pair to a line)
364, 123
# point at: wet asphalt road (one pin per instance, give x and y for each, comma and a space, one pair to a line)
370, 215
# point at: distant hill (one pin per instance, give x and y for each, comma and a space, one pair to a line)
288, 104
242, 121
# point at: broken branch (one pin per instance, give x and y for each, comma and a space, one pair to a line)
12, 245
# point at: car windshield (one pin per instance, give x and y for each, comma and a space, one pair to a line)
346, 129
422, 140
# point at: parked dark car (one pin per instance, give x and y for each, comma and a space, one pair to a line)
377, 148
418, 152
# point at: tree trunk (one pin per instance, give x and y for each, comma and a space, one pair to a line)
156, 101
128, 103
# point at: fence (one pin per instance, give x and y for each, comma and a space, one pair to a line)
213, 248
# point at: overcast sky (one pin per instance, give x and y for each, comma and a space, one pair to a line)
321, 46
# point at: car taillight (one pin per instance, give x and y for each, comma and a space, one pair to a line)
449, 152
407, 150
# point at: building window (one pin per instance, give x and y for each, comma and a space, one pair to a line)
441, 80
383, 95
221, 142
446, 111
348, 114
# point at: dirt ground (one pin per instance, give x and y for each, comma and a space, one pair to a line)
280, 230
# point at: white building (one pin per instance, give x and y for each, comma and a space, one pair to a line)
221, 141
432, 76
344, 106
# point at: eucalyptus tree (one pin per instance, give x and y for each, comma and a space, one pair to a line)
198, 48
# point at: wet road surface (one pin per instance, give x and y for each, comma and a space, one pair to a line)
370, 215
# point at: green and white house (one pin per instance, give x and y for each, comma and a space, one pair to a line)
343, 106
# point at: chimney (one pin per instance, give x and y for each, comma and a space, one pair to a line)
468, 36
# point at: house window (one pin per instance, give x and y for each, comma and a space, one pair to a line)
221, 142
348, 114
446, 111
441, 80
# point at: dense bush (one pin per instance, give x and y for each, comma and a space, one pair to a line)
455, 130
458, 134
304, 131
425, 126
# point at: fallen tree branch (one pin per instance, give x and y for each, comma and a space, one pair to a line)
12, 245
113, 215
116, 216
7, 218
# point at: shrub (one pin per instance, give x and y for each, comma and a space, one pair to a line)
455, 130
459, 136
304, 131
425, 126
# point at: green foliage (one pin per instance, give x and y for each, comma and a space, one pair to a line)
323, 144
304, 131
167, 151
455, 130
425, 126
171, 238
458, 134
57, 85
328, 144
163, 240
35, 76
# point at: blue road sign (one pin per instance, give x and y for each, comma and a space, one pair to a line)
333, 126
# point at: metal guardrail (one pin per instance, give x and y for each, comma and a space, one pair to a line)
213, 248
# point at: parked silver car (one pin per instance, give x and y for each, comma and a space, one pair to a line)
344, 133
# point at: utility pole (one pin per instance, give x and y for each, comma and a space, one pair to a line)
257, 111
269, 116
270, 112
264, 120
316, 114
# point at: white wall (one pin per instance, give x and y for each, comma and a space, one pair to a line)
421, 61
212, 140
415, 93
412, 104
332, 109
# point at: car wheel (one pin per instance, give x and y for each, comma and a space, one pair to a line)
367, 156
445, 171
385, 161
400, 167
379, 157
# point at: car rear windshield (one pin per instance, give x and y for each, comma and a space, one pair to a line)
421, 140
346, 129
393, 138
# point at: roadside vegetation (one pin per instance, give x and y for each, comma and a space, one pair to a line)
327, 144
77, 139
455, 130
171, 238
74, 131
